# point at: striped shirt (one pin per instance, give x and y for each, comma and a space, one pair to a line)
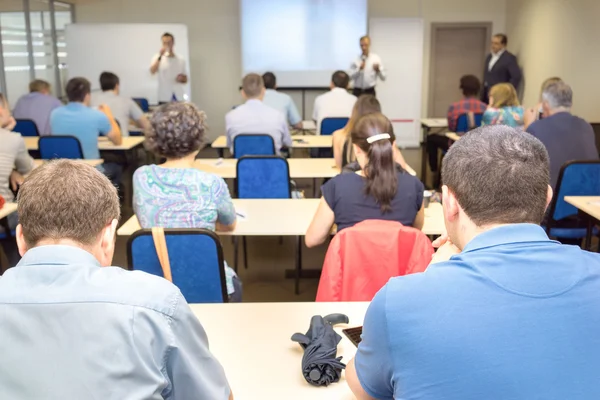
13, 155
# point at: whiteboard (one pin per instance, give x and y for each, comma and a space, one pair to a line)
399, 43
124, 49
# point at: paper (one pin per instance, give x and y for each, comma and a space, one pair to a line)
309, 125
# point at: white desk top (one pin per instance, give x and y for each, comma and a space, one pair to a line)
253, 343
129, 143
309, 125
93, 163
287, 217
453, 136
7, 209
299, 167
588, 204
434, 122
299, 142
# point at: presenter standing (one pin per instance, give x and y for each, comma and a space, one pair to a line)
366, 69
500, 67
171, 70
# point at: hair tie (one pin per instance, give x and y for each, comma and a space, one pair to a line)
375, 138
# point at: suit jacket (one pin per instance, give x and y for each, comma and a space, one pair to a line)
506, 69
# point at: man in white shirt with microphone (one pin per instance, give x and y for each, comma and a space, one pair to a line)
366, 69
171, 70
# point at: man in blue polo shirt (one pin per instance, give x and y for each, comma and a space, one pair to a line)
505, 313
86, 124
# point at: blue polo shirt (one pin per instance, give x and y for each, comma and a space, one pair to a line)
83, 122
514, 316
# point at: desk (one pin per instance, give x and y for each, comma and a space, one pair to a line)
299, 142
264, 363
589, 208
7, 209
93, 163
299, 167
427, 125
453, 136
103, 143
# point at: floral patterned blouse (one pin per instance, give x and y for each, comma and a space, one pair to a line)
510, 115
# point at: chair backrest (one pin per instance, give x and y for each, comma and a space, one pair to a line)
26, 127
196, 259
332, 124
362, 259
60, 147
464, 125
143, 103
263, 177
576, 178
253, 145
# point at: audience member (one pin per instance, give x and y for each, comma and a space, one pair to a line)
37, 106
507, 313
504, 108
545, 84
280, 101
380, 190
335, 103
86, 124
470, 103
565, 136
501, 66
256, 117
123, 108
15, 162
175, 194
88, 330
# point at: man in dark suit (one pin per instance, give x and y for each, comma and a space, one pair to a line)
500, 67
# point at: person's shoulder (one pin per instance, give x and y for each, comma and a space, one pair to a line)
405, 177
9, 137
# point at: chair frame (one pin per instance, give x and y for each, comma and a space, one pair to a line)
37, 132
185, 231
42, 138
254, 135
237, 168
140, 105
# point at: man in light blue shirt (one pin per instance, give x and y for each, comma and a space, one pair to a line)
503, 312
37, 106
280, 101
86, 124
255, 117
75, 328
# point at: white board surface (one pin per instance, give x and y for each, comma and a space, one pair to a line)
124, 49
399, 43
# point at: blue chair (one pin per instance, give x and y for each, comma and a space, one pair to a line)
330, 125
196, 259
26, 127
263, 177
463, 122
576, 178
143, 103
60, 147
253, 145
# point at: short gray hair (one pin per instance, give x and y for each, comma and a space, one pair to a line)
558, 95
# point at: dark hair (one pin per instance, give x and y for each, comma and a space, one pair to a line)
167, 34
108, 81
503, 38
470, 85
380, 170
340, 79
269, 80
177, 129
499, 175
77, 89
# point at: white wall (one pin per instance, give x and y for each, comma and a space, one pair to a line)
558, 38
214, 35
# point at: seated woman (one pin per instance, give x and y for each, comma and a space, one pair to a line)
175, 194
504, 108
342, 145
380, 190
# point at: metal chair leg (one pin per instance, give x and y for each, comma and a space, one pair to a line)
235, 254
245, 253
298, 264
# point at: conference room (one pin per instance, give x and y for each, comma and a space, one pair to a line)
294, 196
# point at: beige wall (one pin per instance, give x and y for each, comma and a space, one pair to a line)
215, 37
558, 38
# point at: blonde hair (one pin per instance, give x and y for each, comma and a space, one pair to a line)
504, 95
365, 104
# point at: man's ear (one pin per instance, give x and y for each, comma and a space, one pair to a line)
450, 204
21, 244
549, 196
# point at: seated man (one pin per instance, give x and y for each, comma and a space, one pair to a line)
335, 103
86, 124
122, 108
470, 102
565, 136
280, 101
256, 117
80, 328
37, 106
507, 313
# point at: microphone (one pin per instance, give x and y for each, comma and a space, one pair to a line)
363, 57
